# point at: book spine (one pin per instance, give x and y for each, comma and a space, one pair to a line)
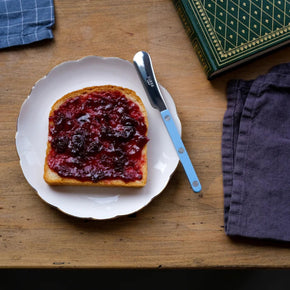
193, 36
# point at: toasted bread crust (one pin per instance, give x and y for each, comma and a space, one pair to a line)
52, 178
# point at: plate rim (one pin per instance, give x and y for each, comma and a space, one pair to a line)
38, 83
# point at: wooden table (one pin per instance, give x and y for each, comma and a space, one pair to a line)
178, 229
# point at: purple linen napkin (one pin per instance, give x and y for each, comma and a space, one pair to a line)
25, 21
256, 156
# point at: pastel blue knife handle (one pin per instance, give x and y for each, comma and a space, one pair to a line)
181, 151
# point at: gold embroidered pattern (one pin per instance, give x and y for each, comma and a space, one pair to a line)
235, 28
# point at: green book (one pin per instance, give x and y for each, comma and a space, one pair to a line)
226, 33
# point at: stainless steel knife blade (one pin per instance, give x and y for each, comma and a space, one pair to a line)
143, 64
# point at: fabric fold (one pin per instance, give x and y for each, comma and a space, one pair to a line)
23, 22
256, 156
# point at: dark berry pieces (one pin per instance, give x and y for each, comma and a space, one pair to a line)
101, 134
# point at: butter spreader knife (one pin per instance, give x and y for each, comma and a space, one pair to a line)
143, 64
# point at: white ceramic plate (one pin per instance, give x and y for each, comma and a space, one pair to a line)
32, 130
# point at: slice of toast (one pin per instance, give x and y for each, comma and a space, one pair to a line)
115, 117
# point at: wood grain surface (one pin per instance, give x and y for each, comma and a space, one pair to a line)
178, 229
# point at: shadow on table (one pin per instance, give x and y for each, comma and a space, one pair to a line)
145, 279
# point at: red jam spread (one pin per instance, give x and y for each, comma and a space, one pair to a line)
97, 136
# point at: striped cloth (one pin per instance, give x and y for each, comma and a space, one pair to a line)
25, 21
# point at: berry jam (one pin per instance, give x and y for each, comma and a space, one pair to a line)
97, 136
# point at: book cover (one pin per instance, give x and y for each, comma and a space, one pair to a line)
226, 33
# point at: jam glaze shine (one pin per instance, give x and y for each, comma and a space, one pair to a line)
97, 136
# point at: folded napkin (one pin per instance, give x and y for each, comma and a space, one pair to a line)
256, 156
25, 21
